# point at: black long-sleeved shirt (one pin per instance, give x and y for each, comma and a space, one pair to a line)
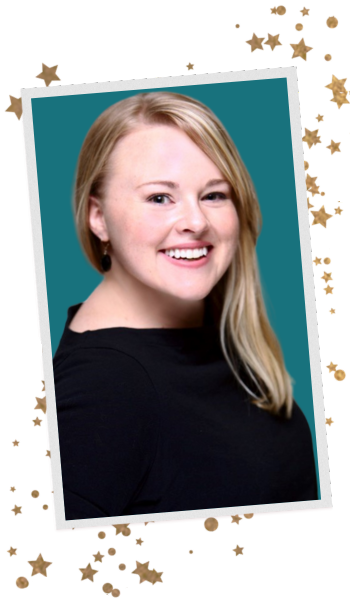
153, 420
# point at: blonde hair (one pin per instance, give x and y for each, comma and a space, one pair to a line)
248, 341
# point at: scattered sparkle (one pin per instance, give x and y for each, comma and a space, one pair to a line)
211, 524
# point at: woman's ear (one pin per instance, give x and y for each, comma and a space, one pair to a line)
97, 221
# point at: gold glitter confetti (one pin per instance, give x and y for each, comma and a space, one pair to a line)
332, 311
321, 217
329, 421
21, 583
340, 99
110, 589
338, 210
43, 382
237, 26
337, 85
322, 193
139, 541
278, 10
12, 489
249, 515
189, 66
306, 165
142, 570
332, 22
236, 519
111, 551
35, 494
15, 443
299, 27
17, 510
309, 205
238, 550
319, 118
48, 453
102, 535
36, 421
305, 12
317, 261
191, 551
326, 276
211, 524
339, 374
327, 57
328, 290
123, 529
122, 567
98, 557
334, 147
12, 551
45, 507
154, 577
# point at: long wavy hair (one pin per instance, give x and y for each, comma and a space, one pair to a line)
248, 341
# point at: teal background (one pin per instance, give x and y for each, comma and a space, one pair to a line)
256, 115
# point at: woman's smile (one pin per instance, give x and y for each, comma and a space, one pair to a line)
189, 263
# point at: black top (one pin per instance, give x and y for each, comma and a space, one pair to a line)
153, 420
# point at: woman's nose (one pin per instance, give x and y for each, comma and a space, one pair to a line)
192, 213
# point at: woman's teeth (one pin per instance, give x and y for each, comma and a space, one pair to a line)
187, 254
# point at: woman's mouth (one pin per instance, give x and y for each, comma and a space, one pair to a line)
191, 263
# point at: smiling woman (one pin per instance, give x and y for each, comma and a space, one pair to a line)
171, 388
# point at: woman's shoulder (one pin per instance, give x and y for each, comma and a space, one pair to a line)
90, 375
91, 316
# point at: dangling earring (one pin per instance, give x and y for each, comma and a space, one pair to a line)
106, 260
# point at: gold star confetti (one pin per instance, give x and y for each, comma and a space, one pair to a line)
332, 311
13, 489
37, 422
300, 49
313, 187
255, 43
319, 118
40, 404
16, 510
124, 531
309, 205
238, 550
15, 443
311, 138
326, 260
98, 557
88, 572
339, 91
329, 421
12, 551
48, 453
328, 289
39, 566
332, 22
139, 541
15, 106
334, 147
278, 10
48, 74
304, 11
249, 515
326, 277
190, 66
146, 574
43, 382
236, 520
320, 217
273, 41
339, 374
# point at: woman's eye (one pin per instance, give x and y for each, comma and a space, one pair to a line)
217, 194
165, 196
157, 196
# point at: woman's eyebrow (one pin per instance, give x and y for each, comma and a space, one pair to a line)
172, 184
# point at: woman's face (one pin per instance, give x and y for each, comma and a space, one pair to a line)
161, 202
